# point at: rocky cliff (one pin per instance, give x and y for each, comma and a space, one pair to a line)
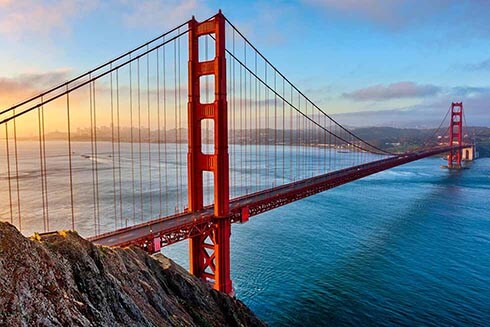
64, 280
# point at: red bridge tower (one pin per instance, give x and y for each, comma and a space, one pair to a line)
455, 135
209, 254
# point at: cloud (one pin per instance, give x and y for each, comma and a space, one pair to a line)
372, 9
458, 21
169, 13
14, 89
468, 91
393, 91
482, 65
426, 115
31, 17
35, 18
429, 112
384, 12
265, 23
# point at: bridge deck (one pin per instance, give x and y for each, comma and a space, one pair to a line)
164, 231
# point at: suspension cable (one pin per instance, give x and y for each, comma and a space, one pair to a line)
92, 79
431, 137
297, 90
90, 72
303, 114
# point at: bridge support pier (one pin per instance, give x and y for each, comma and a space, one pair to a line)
209, 254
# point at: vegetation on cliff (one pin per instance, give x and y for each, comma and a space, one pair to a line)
64, 280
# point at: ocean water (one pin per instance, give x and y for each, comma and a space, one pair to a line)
133, 183
409, 246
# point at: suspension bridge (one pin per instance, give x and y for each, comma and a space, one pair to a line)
178, 139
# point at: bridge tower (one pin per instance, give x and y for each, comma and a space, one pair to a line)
209, 254
455, 134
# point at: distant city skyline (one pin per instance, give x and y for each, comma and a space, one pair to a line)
392, 63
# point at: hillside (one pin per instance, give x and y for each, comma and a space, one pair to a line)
403, 139
64, 280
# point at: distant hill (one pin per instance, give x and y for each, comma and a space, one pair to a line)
408, 138
388, 138
416, 117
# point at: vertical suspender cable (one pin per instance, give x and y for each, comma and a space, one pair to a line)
176, 128
261, 163
140, 160
149, 131
119, 148
257, 143
283, 132
45, 168
181, 160
233, 118
92, 157
306, 145
249, 129
243, 133
8, 173
96, 158
266, 118
17, 174
132, 142
159, 140
300, 139
41, 164
165, 128
70, 160
275, 129
291, 151
258, 149
242, 155
113, 151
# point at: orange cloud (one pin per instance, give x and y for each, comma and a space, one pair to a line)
18, 88
393, 91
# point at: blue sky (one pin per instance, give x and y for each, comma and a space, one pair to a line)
386, 59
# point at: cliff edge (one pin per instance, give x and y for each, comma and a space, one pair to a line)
64, 280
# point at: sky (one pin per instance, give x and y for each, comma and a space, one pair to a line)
369, 62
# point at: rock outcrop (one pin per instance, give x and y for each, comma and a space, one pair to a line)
64, 280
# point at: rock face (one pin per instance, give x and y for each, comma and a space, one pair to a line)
64, 280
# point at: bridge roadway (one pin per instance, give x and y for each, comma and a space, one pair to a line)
154, 234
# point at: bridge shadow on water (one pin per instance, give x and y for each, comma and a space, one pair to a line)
376, 285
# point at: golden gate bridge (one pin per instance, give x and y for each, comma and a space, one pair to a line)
177, 139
